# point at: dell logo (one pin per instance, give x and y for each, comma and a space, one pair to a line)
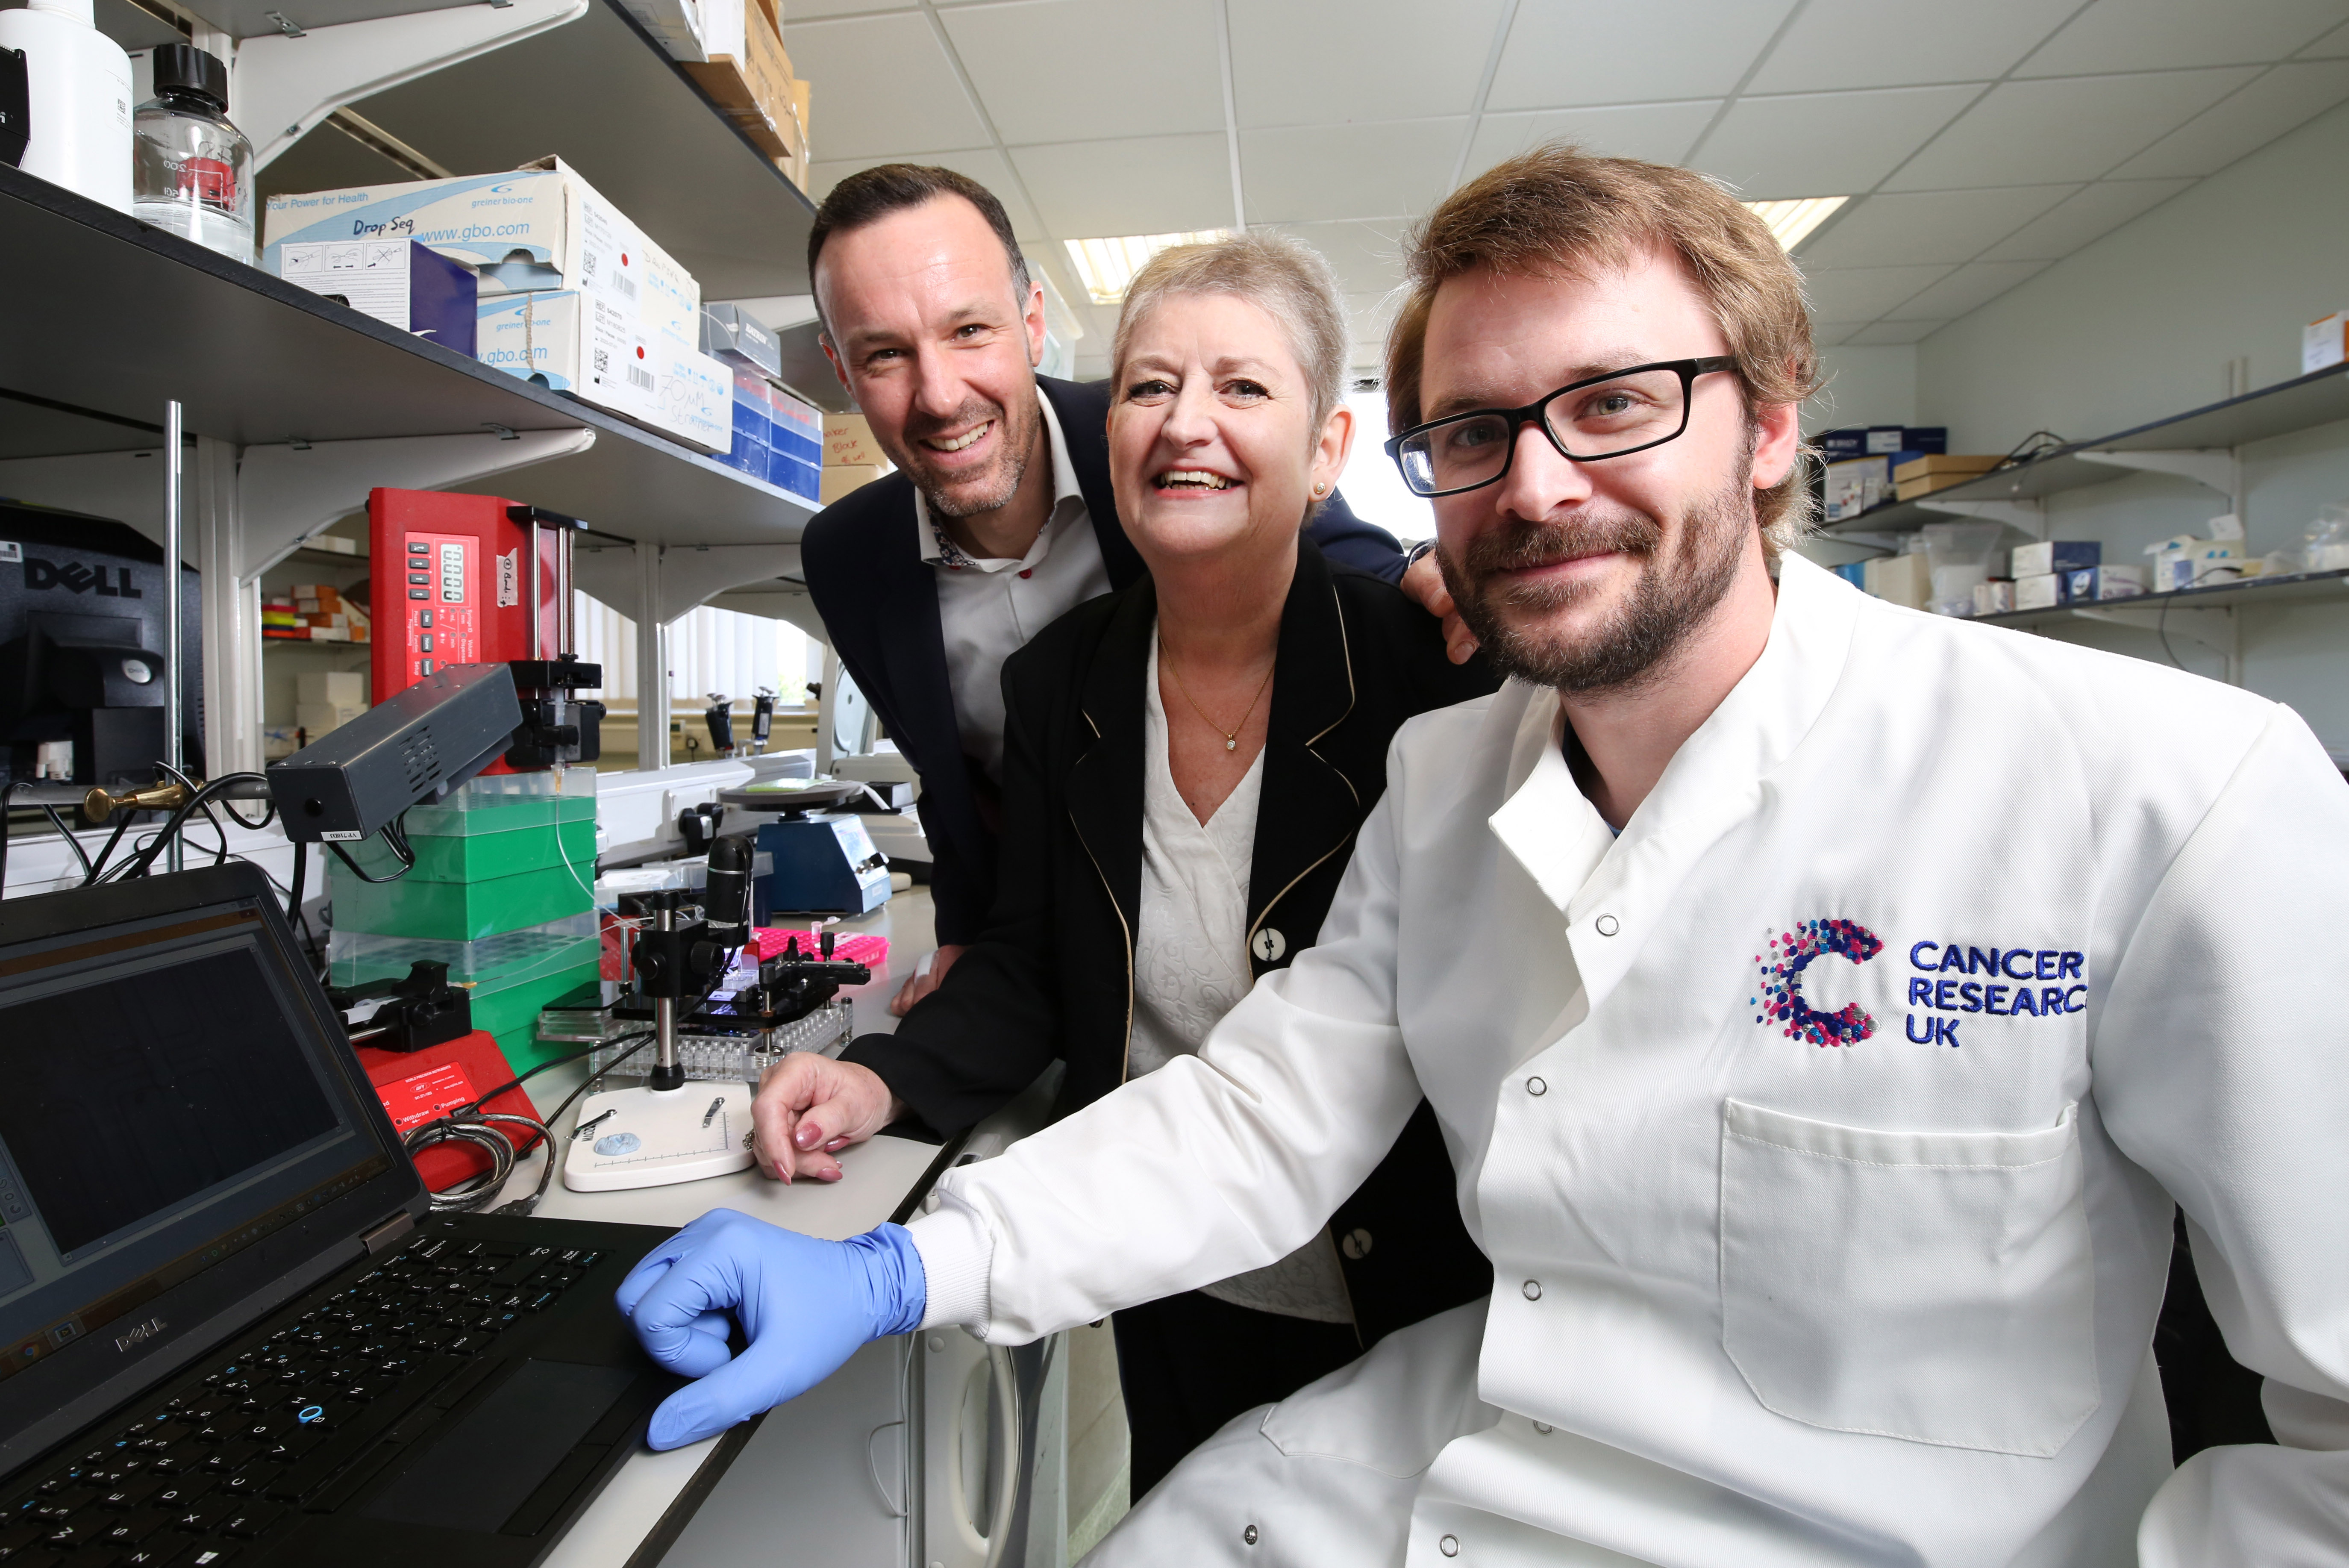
75, 577
140, 1336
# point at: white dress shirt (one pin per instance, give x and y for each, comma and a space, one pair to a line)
990, 608
1824, 1131
1190, 968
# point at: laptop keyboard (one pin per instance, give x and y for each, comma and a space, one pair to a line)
298, 1420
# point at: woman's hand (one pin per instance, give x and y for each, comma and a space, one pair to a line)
1423, 581
810, 1107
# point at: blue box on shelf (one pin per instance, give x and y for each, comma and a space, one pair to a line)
786, 473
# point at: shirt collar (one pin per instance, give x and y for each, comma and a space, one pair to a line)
1067, 501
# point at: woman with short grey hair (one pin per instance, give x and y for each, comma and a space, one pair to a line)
1186, 764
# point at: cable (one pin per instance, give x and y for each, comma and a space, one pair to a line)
2031, 449
66, 834
470, 1123
396, 838
98, 868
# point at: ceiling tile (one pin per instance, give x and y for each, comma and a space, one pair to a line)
1139, 185
1930, 227
2076, 127
1311, 62
2164, 35
1865, 293
1839, 44
2095, 210
1564, 53
1659, 132
983, 164
809, 10
1366, 257
1824, 144
1370, 315
1084, 85
884, 85
2331, 46
1888, 334
1299, 173
1969, 287
1831, 334
2285, 98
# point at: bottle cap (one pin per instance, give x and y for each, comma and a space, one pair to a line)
187, 68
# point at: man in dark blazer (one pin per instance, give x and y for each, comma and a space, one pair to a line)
999, 518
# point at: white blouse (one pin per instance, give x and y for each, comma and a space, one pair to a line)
1190, 968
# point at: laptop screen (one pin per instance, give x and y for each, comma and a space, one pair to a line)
172, 1114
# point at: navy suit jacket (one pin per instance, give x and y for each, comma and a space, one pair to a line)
879, 601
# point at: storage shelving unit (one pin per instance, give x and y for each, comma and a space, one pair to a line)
2199, 445
297, 406
2204, 615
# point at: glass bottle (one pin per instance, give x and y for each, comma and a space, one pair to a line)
192, 171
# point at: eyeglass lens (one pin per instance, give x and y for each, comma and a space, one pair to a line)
1596, 421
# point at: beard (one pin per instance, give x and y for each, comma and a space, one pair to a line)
990, 489
1635, 642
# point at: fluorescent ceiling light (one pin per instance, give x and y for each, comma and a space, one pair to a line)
1792, 222
1107, 266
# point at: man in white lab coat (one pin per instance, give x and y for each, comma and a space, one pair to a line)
1824, 1004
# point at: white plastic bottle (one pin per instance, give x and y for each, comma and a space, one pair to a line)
81, 82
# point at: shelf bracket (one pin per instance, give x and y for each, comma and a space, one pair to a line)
2212, 467
289, 492
283, 85
284, 493
2214, 628
2027, 514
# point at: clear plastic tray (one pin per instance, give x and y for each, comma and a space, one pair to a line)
355, 957
713, 1058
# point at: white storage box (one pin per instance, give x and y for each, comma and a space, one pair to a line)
586, 345
2043, 590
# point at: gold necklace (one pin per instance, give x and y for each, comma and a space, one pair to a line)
1231, 736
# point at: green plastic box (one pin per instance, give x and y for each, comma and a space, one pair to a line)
461, 912
511, 1015
482, 856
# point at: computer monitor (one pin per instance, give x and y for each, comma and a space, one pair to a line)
84, 656
185, 1138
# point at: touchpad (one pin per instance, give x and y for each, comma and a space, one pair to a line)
478, 1472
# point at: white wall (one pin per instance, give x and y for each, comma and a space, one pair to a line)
2143, 324
711, 649
1863, 387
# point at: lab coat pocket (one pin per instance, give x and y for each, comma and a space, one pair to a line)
1936, 1287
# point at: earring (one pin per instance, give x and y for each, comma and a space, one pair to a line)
1318, 487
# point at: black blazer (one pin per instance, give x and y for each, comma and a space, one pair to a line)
1053, 975
879, 601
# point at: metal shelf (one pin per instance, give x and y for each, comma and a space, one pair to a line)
2297, 589
116, 317
610, 102
2318, 398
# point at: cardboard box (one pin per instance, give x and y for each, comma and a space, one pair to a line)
531, 230
1994, 597
398, 282
585, 344
1854, 485
848, 442
2188, 563
342, 688
2042, 590
1879, 440
1926, 484
1906, 580
1927, 464
318, 717
2324, 343
2054, 555
841, 479
2090, 584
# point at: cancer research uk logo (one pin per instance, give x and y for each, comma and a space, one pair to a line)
1791, 952
1780, 999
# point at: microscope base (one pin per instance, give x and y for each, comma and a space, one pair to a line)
656, 1139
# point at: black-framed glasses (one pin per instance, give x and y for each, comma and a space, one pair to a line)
1620, 412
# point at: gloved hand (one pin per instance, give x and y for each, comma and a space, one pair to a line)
805, 1306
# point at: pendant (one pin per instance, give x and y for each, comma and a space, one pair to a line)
1231, 742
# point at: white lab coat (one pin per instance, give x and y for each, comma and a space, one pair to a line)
1861, 1269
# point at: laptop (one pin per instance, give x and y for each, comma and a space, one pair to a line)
230, 1333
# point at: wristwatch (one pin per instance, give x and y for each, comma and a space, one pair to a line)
1411, 556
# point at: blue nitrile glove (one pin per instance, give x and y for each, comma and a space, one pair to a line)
805, 1306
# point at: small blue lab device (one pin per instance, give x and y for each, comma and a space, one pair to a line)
824, 862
